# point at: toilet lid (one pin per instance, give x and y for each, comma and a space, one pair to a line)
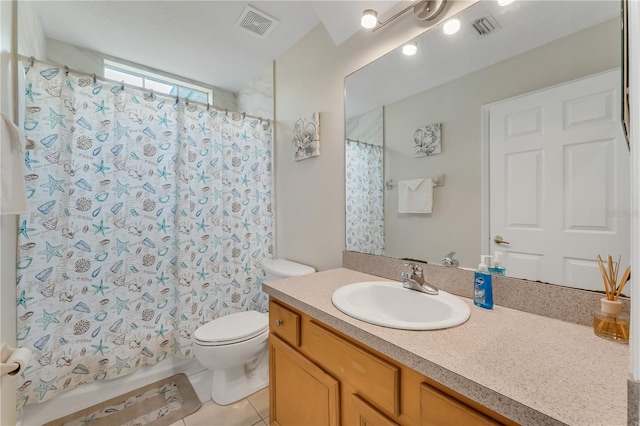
233, 328
286, 268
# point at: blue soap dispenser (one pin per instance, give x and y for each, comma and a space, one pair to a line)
482, 285
496, 265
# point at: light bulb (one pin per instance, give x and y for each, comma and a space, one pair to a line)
504, 2
369, 18
451, 26
410, 49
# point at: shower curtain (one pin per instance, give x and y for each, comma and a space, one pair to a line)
364, 198
148, 217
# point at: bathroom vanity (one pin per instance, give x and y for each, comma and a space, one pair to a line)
502, 366
332, 377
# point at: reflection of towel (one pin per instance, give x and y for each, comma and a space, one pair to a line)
13, 197
415, 196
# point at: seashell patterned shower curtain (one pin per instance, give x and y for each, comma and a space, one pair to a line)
364, 198
148, 217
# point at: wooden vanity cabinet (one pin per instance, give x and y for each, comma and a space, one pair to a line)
319, 376
300, 392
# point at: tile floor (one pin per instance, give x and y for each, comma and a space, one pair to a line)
251, 411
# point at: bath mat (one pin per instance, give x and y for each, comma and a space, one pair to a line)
158, 404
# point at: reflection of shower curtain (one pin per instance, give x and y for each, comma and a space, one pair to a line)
148, 218
364, 198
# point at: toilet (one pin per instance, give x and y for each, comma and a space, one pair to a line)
234, 347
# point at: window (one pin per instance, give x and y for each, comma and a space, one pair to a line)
156, 82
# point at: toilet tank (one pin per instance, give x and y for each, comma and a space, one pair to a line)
282, 268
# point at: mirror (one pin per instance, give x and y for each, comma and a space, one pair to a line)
465, 94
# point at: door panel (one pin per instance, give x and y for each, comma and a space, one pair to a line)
589, 176
300, 392
523, 184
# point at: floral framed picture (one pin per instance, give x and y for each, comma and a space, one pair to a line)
427, 141
306, 137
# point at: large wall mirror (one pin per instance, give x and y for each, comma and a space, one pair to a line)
515, 119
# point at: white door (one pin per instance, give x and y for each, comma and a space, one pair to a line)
559, 181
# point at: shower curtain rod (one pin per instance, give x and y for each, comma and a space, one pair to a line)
67, 70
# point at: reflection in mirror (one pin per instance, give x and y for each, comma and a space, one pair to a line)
531, 143
363, 183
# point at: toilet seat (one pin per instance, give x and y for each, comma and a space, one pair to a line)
234, 328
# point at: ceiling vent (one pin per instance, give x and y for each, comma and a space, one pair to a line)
256, 22
485, 25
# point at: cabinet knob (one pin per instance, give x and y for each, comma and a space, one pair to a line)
279, 323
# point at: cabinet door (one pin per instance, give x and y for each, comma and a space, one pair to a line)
300, 393
440, 409
364, 414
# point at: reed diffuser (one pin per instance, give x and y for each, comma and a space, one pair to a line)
609, 322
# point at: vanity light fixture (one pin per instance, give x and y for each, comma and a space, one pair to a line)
369, 18
424, 10
452, 26
410, 48
504, 2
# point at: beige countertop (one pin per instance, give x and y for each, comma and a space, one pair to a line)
532, 369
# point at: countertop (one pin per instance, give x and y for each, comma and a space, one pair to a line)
532, 369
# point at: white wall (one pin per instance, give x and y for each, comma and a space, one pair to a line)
367, 127
31, 39
455, 222
7, 227
634, 86
310, 77
256, 98
91, 62
6, 92
31, 42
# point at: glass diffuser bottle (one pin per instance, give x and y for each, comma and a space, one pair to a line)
610, 323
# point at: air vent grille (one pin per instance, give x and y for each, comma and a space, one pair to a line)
256, 22
484, 26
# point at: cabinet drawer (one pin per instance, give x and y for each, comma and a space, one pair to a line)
438, 408
285, 323
375, 379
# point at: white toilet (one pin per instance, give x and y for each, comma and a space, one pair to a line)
234, 347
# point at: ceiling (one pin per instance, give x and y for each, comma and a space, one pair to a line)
197, 39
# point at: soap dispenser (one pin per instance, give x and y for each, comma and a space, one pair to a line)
496, 264
482, 285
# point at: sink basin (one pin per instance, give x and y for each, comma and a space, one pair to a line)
388, 304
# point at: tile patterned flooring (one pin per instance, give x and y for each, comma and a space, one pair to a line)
251, 411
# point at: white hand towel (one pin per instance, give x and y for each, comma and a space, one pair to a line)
415, 196
13, 196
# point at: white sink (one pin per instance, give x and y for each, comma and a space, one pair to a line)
388, 304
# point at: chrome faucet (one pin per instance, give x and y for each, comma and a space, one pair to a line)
415, 280
449, 261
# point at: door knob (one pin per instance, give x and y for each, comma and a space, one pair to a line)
279, 323
499, 240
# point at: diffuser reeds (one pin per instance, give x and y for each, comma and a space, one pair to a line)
610, 277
